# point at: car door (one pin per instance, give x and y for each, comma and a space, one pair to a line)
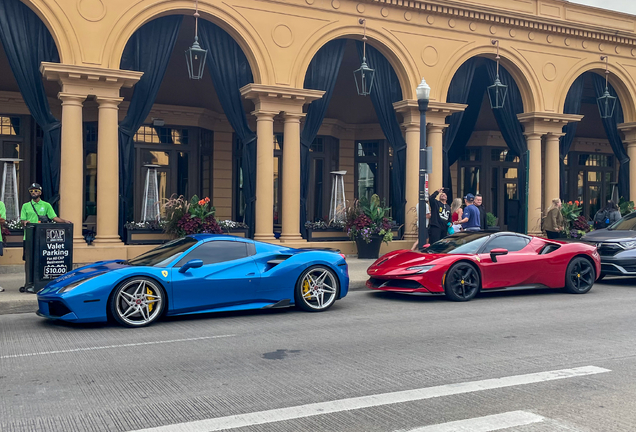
508, 270
228, 276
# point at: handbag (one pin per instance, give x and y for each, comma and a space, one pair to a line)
41, 219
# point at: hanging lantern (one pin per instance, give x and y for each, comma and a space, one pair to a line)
607, 102
498, 91
195, 55
365, 75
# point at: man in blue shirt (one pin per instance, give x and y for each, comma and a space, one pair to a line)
470, 221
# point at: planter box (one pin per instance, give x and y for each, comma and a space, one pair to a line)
337, 234
238, 232
14, 239
328, 234
146, 237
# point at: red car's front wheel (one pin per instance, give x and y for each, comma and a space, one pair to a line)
462, 282
579, 276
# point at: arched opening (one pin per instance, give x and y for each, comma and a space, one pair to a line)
29, 108
195, 132
484, 148
344, 131
594, 162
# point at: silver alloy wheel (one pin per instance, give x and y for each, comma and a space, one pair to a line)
138, 302
319, 288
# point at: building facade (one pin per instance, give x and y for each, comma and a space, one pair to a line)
552, 142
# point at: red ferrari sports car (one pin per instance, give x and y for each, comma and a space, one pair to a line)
462, 264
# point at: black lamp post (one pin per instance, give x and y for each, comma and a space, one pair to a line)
195, 55
364, 76
498, 91
423, 92
606, 103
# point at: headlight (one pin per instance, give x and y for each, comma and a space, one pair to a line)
629, 244
74, 285
420, 269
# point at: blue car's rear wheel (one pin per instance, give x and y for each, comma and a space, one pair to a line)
462, 282
317, 289
137, 302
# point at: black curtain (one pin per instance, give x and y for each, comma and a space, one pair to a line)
386, 90
230, 71
572, 106
321, 75
148, 51
27, 42
466, 88
512, 131
611, 129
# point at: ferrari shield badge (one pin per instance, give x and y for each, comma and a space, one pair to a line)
477, 258
164, 273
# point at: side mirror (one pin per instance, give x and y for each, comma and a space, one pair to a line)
497, 252
195, 263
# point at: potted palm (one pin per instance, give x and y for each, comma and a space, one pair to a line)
368, 224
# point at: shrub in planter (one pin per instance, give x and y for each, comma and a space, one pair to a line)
190, 217
491, 220
368, 224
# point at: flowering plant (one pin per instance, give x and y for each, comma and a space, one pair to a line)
322, 225
570, 211
14, 224
151, 225
230, 225
368, 218
581, 224
625, 207
184, 218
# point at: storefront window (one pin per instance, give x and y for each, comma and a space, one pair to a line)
9, 126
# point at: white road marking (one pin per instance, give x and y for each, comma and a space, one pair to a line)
111, 346
486, 423
309, 410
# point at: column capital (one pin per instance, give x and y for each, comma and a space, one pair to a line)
629, 130
262, 115
435, 128
292, 116
279, 98
555, 135
71, 99
545, 122
532, 135
108, 102
438, 111
89, 80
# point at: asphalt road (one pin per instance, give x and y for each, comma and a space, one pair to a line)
515, 361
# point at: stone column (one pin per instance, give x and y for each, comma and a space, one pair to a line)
291, 178
264, 209
552, 169
108, 172
72, 166
534, 183
434, 139
411, 189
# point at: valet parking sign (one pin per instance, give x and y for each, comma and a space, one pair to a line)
55, 259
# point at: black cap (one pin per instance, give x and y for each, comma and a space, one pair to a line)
35, 186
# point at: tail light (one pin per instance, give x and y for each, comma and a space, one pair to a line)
344, 257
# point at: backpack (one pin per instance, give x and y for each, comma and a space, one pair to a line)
601, 219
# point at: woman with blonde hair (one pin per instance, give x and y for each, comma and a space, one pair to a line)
457, 213
553, 220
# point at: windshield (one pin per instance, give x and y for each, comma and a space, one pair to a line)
461, 243
164, 254
627, 223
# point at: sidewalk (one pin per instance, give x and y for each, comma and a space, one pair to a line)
12, 301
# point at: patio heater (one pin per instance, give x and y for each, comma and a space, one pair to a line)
337, 207
150, 211
9, 191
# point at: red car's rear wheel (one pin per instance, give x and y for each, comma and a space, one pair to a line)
462, 282
579, 276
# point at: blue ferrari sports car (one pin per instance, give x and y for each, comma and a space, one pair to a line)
197, 274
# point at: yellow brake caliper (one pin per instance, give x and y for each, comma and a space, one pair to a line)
151, 305
306, 288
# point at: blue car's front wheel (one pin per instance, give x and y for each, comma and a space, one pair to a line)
137, 302
317, 289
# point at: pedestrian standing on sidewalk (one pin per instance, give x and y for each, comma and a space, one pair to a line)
470, 221
440, 216
457, 213
482, 211
553, 222
3, 218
